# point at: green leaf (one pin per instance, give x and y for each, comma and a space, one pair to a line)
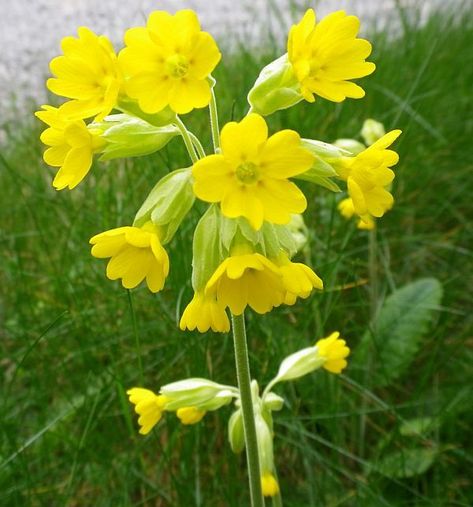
406, 463
392, 343
419, 426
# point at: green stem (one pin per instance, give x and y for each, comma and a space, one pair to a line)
187, 140
214, 126
135, 334
244, 384
197, 144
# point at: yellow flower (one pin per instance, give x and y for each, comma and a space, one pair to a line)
326, 56
250, 177
148, 406
247, 279
168, 62
269, 485
368, 177
204, 313
88, 73
334, 351
298, 279
71, 147
136, 254
347, 210
190, 415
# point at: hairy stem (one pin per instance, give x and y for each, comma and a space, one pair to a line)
187, 140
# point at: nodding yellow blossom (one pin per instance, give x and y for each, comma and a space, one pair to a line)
347, 210
368, 176
334, 350
190, 415
326, 55
247, 279
148, 405
168, 62
136, 254
250, 177
204, 313
298, 279
71, 147
88, 73
269, 485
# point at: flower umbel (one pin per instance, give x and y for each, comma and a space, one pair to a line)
87, 73
327, 55
136, 254
250, 177
205, 312
71, 147
148, 405
168, 62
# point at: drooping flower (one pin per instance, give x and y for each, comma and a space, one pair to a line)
334, 351
190, 415
269, 485
369, 176
298, 279
88, 73
204, 313
250, 177
149, 406
136, 254
168, 62
247, 279
347, 210
71, 146
327, 55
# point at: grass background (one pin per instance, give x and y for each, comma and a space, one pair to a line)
69, 343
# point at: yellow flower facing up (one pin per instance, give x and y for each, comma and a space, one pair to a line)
249, 279
149, 406
190, 415
269, 485
168, 63
298, 279
347, 210
327, 55
88, 73
71, 147
204, 313
368, 176
136, 254
334, 351
249, 178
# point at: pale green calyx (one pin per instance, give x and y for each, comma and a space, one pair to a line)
264, 436
299, 364
236, 432
276, 88
168, 203
273, 402
351, 145
371, 131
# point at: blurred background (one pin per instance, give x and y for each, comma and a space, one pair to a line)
393, 430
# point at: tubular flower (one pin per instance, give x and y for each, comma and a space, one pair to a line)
136, 253
347, 210
326, 56
148, 406
269, 485
204, 313
71, 147
368, 176
250, 177
247, 280
88, 73
298, 279
334, 351
190, 415
168, 62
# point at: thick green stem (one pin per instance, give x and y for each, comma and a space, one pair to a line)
214, 126
187, 140
244, 384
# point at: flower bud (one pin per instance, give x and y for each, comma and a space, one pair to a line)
273, 402
236, 432
372, 130
168, 203
265, 444
276, 88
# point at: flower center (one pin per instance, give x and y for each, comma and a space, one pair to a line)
247, 173
177, 66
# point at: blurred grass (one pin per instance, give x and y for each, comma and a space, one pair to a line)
67, 340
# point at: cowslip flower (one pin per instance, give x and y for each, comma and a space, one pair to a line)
88, 73
71, 147
190, 415
327, 55
269, 484
203, 313
368, 177
136, 254
247, 279
249, 178
168, 63
148, 405
347, 210
334, 351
